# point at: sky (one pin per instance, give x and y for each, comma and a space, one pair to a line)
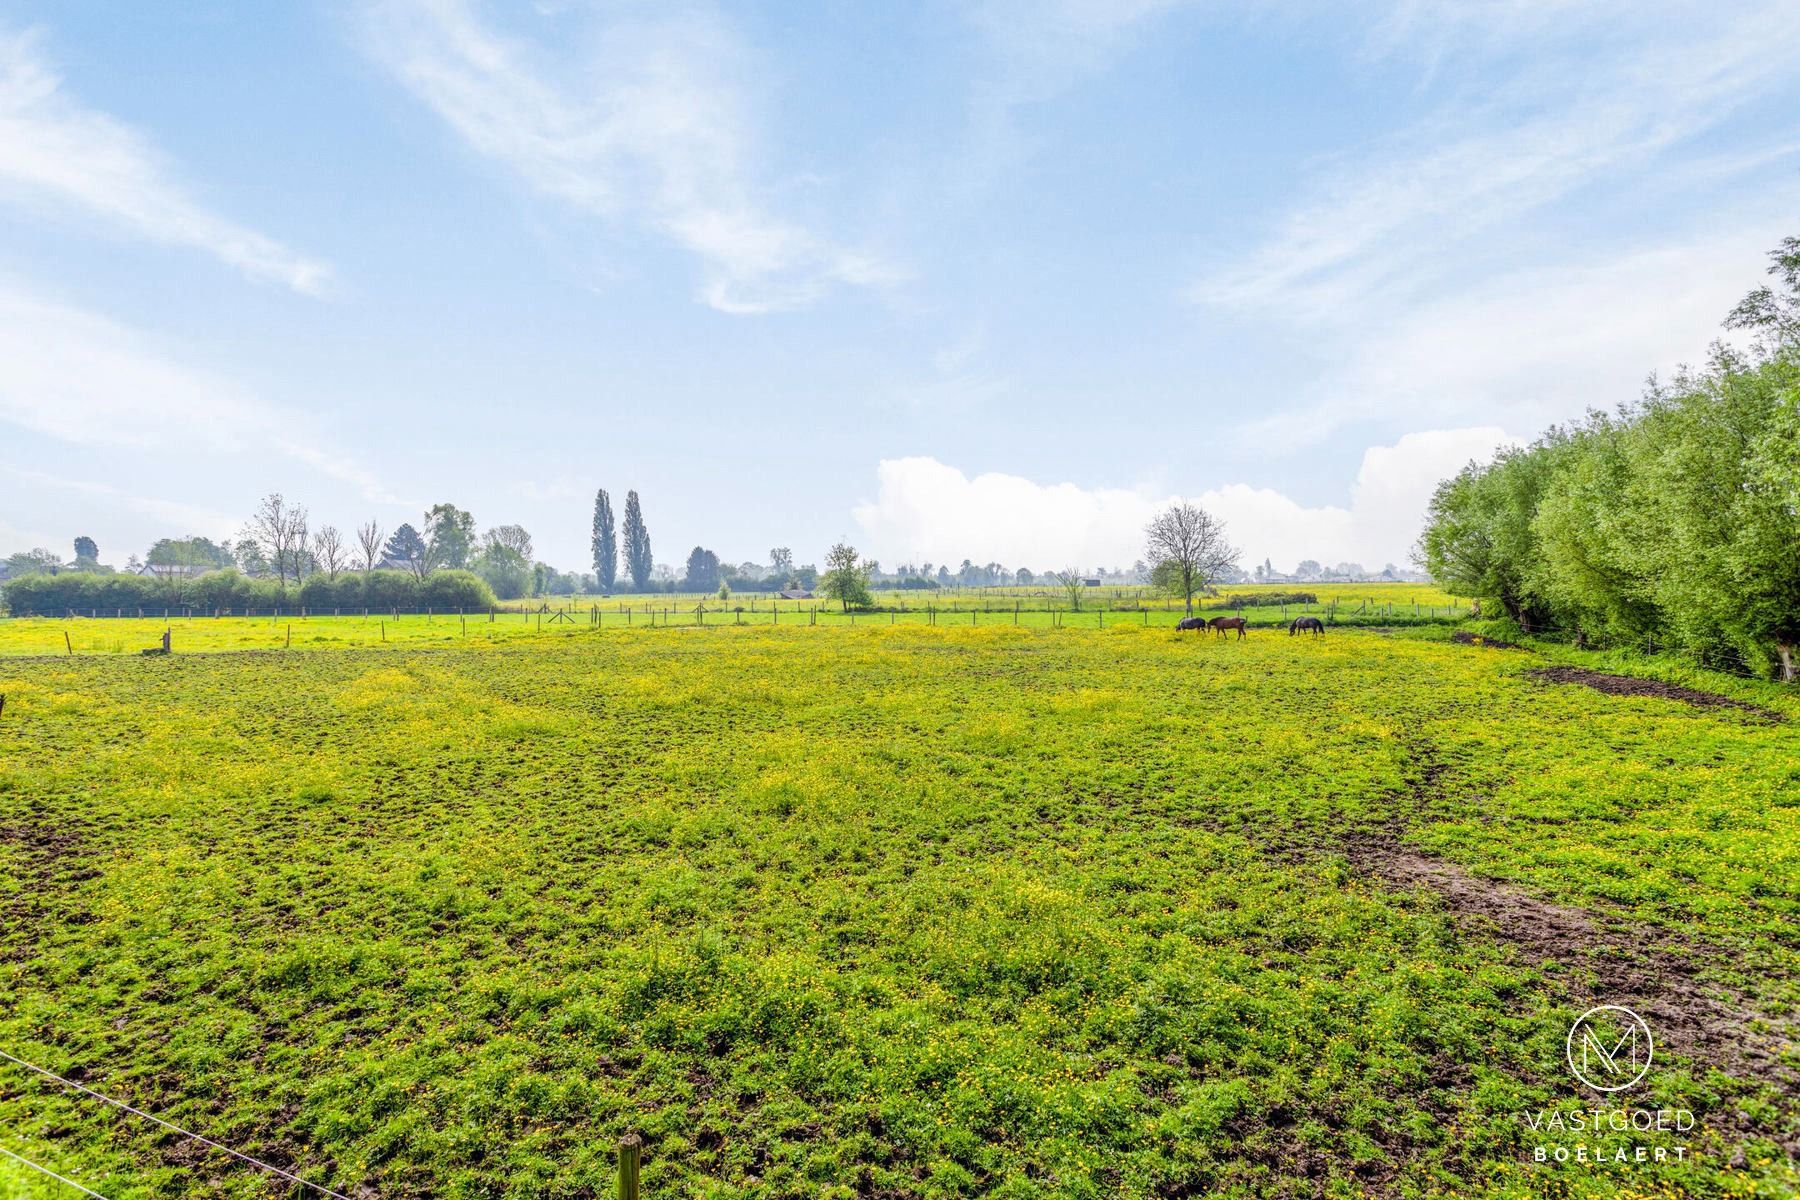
981, 280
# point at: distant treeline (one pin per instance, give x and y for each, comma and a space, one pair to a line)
82, 591
1674, 521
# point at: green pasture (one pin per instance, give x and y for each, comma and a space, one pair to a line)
891, 910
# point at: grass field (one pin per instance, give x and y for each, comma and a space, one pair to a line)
885, 910
568, 616
1039, 596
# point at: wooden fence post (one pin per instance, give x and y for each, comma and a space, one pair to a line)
630, 1159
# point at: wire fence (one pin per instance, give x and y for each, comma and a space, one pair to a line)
772, 611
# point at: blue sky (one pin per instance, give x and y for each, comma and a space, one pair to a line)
947, 280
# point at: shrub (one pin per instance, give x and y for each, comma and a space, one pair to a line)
455, 589
387, 589
222, 589
1270, 599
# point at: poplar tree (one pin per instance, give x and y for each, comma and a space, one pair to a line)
606, 545
637, 543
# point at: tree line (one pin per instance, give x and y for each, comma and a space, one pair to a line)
279, 557
1674, 520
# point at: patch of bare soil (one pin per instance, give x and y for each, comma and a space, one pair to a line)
47, 850
1463, 637
1691, 1016
1627, 685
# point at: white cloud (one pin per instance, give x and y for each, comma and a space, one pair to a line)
84, 379
1395, 215
156, 512
925, 510
56, 153
1539, 345
655, 127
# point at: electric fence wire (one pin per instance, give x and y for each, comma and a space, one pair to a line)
187, 1133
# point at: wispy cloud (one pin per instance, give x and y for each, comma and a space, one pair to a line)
1540, 344
84, 379
173, 514
1037, 50
1404, 212
654, 127
55, 152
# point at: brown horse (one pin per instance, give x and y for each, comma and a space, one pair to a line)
1190, 623
1220, 624
1306, 625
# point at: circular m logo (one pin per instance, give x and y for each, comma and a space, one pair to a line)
1609, 1048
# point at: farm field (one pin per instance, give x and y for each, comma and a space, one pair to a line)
38, 636
1347, 595
886, 909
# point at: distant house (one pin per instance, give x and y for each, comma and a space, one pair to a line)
1090, 583
797, 594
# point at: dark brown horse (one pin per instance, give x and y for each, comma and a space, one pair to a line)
1306, 625
1220, 624
1190, 623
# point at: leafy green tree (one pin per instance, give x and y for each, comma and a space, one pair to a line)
504, 569
449, 537
638, 563
86, 552
845, 579
702, 571
250, 559
605, 543
1676, 519
189, 552
1478, 538
33, 562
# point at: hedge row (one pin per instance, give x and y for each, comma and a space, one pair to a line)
1270, 599
83, 591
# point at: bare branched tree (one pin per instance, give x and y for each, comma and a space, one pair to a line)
1070, 581
509, 537
279, 530
329, 551
368, 536
1191, 542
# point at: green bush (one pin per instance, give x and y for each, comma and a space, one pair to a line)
388, 589
1270, 599
83, 591
455, 589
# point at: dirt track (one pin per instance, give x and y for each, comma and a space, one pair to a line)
1628, 685
1612, 960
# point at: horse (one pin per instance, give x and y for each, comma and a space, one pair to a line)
1308, 624
1190, 623
1220, 624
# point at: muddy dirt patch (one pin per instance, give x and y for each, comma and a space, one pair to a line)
1463, 637
1627, 685
1697, 1018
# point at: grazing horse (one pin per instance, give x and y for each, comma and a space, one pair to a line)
1190, 623
1308, 625
1220, 624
